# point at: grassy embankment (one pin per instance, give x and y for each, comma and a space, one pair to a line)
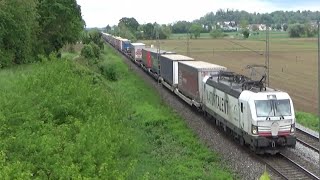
60, 119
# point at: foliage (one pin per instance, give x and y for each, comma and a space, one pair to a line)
18, 28
255, 27
245, 33
61, 120
88, 52
96, 49
296, 30
285, 27
302, 30
216, 33
131, 23
32, 27
60, 23
108, 70
195, 29
276, 17
265, 176
57, 124
181, 27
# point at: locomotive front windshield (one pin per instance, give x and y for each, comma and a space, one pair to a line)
271, 108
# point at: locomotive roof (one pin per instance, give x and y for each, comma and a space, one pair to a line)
235, 88
176, 57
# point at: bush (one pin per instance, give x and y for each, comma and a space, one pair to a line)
216, 33
296, 30
96, 49
87, 51
109, 71
6, 58
245, 33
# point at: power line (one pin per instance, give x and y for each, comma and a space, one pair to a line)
252, 50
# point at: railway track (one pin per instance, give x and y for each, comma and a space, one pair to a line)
287, 168
307, 139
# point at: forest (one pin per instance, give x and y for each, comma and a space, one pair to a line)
30, 29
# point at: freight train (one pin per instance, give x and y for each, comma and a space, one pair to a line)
260, 117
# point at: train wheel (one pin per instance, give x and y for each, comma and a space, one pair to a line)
253, 148
241, 141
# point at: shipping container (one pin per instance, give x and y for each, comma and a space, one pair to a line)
169, 67
125, 45
136, 51
149, 56
191, 74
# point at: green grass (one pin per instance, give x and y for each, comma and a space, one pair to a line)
61, 119
308, 120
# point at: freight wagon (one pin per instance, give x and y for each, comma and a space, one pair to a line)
136, 51
190, 76
150, 59
169, 68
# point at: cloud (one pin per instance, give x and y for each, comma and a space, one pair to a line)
99, 13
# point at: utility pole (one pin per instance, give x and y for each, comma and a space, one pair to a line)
188, 45
158, 50
319, 84
267, 56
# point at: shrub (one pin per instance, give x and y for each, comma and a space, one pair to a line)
216, 33
245, 33
87, 51
109, 71
96, 49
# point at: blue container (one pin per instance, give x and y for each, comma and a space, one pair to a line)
125, 45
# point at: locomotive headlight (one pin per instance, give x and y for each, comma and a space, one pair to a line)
292, 128
254, 129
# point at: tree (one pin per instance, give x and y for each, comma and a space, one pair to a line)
310, 31
181, 27
60, 23
216, 33
131, 23
278, 27
255, 27
195, 29
148, 31
245, 33
285, 27
18, 27
108, 29
165, 32
296, 30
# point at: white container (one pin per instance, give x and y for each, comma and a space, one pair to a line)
136, 50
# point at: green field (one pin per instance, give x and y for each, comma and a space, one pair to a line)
63, 119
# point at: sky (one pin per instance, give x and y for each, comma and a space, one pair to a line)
100, 13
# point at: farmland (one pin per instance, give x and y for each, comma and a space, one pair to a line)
293, 62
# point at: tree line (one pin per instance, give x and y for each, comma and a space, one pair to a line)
130, 28
298, 24
31, 28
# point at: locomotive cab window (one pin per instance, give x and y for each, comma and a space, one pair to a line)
242, 107
272, 108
